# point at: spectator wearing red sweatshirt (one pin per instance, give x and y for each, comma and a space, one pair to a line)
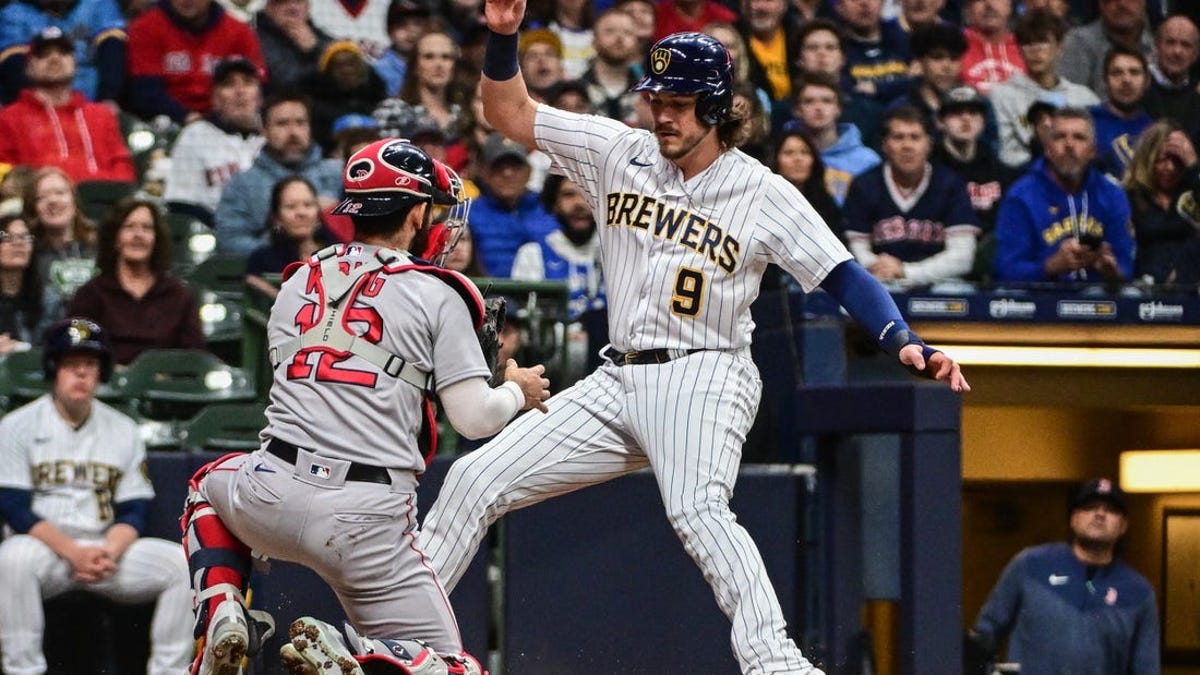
674, 16
992, 53
53, 124
172, 50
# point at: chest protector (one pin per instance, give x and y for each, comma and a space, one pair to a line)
338, 290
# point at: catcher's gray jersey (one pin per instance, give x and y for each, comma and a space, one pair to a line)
342, 406
690, 284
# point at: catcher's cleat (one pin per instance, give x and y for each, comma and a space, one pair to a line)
316, 648
464, 664
395, 657
226, 641
294, 662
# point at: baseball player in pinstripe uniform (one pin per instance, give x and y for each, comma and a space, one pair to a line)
73, 487
687, 226
360, 337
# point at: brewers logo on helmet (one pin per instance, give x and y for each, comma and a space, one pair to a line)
692, 64
76, 335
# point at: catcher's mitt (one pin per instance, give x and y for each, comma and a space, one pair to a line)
494, 312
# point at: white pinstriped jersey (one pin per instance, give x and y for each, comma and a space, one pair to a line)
683, 261
340, 405
76, 475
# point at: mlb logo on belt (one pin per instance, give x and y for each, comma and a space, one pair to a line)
320, 471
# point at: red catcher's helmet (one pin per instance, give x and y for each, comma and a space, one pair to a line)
391, 175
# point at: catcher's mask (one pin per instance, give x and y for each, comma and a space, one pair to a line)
449, 220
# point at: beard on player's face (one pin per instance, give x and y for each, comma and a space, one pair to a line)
675, 143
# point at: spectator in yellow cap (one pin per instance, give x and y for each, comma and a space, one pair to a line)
540, 54
344, 83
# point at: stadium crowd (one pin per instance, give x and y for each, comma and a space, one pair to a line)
989, 141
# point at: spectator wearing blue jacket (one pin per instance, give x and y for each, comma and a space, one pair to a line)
1075, 607
506, 215
818, 107
242, 213
1063, 220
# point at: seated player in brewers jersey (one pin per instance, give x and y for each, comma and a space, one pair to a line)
909, 219
74, 493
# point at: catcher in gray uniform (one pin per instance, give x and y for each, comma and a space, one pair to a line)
361, 337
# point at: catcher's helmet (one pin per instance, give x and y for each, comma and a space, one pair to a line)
692, 63
392, 174
76, 335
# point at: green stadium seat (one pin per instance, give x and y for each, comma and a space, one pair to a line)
156, 434
224, 426
23, 379
174, 384
221, 321
192, 242
96, 197
222, 274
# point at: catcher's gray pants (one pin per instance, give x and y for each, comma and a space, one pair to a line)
360, 537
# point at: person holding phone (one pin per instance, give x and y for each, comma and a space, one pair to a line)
1064, 220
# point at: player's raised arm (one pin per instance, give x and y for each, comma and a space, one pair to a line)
506, 101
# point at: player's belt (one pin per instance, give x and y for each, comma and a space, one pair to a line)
647, 356
359, 472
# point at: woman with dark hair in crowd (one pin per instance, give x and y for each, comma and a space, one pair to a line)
296, 232
796, 158
22, 315
65, 240
428, 91
1168, 241
139, 304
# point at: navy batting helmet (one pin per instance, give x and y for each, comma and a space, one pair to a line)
692, 63
76, 335
392, 174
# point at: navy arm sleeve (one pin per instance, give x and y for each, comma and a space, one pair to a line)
16, 506
869, 304
132, 513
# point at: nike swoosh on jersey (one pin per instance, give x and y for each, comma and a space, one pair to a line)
637, 162
264, 468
